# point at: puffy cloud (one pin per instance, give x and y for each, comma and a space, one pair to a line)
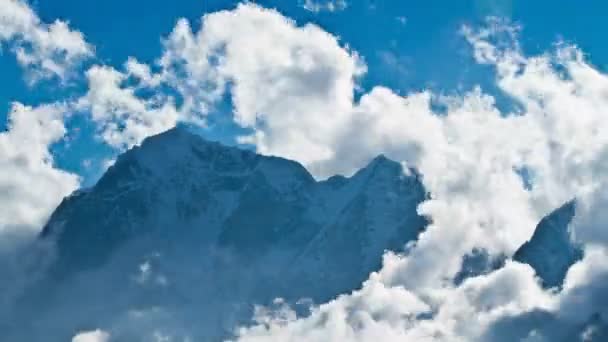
92, 336
31, 185
293, 87
282, 87
45, 50
375, 312
576, 314
392, 313
142, 72
585, 287
124, 118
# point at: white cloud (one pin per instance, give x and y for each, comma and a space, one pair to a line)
92, 336
291, 77
142, 72
44, 50
123, 117
292, 82
384, 313
317, 6
376, 312
31, 186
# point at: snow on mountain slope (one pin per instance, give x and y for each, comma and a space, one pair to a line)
192, 233
379, 214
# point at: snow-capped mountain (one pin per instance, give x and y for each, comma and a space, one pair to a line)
188, 235
184, 190
184, 228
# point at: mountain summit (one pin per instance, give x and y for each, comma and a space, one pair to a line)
551, 250
181, 188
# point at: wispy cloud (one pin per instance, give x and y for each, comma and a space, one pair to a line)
317, 6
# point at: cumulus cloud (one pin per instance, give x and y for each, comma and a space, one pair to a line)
31, 185
124, 118
44, 50
291, 77
292, 82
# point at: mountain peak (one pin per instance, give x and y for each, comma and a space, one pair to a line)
551, 250
383, 169
177, 181
177, 134
381, 160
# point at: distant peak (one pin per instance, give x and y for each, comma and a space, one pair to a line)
381, 158
382, 162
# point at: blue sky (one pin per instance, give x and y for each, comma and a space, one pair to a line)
407, 46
